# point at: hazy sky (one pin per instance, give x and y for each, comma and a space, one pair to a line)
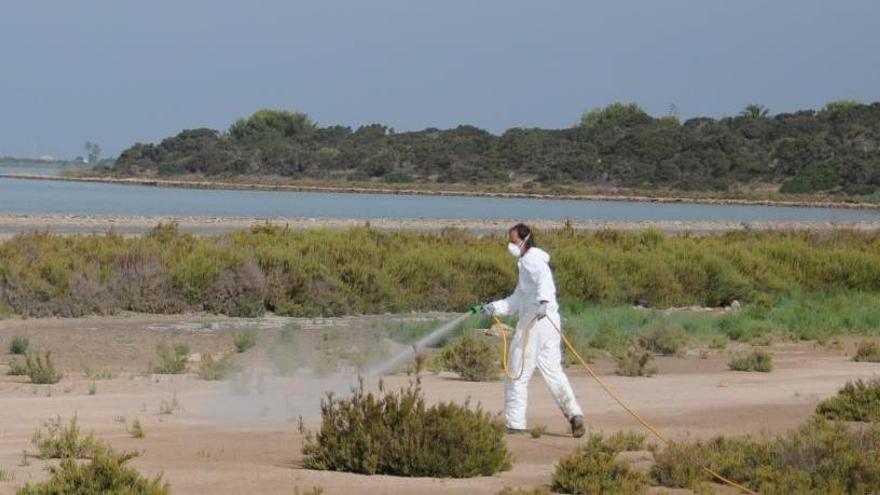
117, 72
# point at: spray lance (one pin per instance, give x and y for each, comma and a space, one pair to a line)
397, 361
408, 354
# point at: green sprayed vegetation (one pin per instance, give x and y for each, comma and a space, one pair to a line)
396, 433
244, 341
218, 368
475, 358
173, 360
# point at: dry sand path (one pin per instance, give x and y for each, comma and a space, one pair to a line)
208, 448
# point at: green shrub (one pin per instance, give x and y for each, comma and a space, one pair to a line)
41, 370
594, 468
718, 342
819, 458
538, 431
105, 473
211, 368
856, 401
171, 361
667, 341
757, 360
396, 433
621, 441
17, 368
55, 440
867, 352
137, 430
19, 345
244, 341
473, 357
635, 362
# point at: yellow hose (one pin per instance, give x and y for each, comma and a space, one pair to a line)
608, 390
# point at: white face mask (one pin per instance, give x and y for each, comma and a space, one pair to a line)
513, 249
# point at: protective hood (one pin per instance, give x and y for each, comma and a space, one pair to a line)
537, 255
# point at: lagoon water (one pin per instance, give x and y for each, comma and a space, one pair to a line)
20, 196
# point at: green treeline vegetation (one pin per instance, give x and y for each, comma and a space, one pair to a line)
835, 150
363, 270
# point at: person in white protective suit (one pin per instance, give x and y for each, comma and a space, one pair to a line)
534, 300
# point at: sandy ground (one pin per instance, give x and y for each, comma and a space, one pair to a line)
133, 225
220, 442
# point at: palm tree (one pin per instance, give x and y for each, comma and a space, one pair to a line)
755, 111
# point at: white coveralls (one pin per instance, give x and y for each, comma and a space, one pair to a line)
543, 347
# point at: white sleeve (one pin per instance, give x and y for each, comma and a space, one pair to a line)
546, 286
510, 304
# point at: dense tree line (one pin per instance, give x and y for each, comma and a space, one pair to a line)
836, 149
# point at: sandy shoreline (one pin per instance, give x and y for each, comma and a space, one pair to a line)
610, 196
133, 225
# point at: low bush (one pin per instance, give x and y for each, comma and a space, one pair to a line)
635, 362
19, 345
622, 441
595, 468
475, 358
55, 440
244, 341
172, 361
856, 401
868, 352
238, 291
105, 473
41, 370
219, 368
396, 433
757, 360
137, 430
17, 368
538, 431
666, 341
819, 458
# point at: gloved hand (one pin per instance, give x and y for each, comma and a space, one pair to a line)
541, 313
488, 309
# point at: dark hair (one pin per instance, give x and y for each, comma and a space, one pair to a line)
524, 233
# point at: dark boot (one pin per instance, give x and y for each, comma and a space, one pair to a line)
577, 426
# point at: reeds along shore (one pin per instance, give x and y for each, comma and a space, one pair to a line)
364, 270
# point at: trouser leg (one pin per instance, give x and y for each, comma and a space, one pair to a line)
516, 392
548, 362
